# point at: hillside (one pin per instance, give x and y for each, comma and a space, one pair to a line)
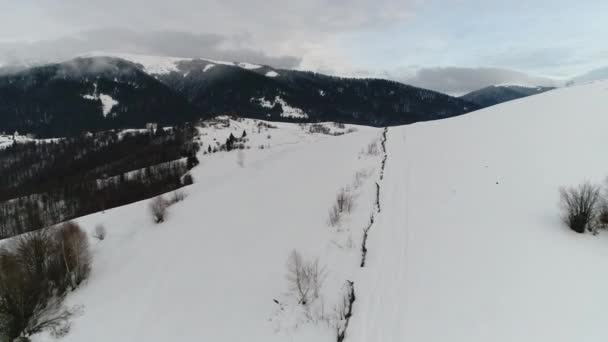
472, 241
493, 95
465, 235
86, 94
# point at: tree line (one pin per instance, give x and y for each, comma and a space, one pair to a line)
47, 183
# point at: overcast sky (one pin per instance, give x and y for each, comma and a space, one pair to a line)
448, 45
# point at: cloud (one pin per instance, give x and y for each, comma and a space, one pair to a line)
166, 43
458, 81
593, 75
277, 27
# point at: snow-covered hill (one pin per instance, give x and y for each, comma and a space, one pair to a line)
470, 246
466, 243
157, 65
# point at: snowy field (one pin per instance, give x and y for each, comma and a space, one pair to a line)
471, 246
213, 270
468, 244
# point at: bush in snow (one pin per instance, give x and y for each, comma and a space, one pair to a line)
100, 232
334, 216
344, 201
36, 271
344, 204
187, 179
74, 249
372, 149
158, 209
579, 205
305, 278
602, 217
178, 196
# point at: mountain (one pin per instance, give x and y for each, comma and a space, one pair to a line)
593, 75
288, 95
127, 91
466, 242
86, 94
493, 95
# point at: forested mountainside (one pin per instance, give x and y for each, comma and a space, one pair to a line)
101, 93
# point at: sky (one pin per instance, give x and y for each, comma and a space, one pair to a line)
453, 46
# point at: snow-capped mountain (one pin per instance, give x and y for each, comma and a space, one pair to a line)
74, 96
457, 222
86, 94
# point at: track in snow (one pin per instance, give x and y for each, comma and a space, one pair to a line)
377, 209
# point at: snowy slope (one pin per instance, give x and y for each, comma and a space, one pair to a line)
471, 247
213, 269
468, 244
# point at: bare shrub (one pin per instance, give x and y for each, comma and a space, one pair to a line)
158, 208
100, 232
344, 201
360, 177
187, 179
36, 270
305, 278
579, 205
334, 216
74, 246
344, 204
372, 149
602, 217
177, 196
319, 128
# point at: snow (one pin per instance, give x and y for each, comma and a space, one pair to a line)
272, 74
468, 244
158, 65
288, 111
151, 64
107, 102
249, 66
219, 260
7, 140
207, 67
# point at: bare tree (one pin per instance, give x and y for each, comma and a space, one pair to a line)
158, 208
579, 205
344, 201
305, 278
344, 204
74, 245
100, 232
36, 271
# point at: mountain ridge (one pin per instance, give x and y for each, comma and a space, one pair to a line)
49, 100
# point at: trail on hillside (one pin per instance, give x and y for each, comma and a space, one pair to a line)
377, 208
382, 296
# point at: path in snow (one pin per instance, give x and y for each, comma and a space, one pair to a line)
381, 295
